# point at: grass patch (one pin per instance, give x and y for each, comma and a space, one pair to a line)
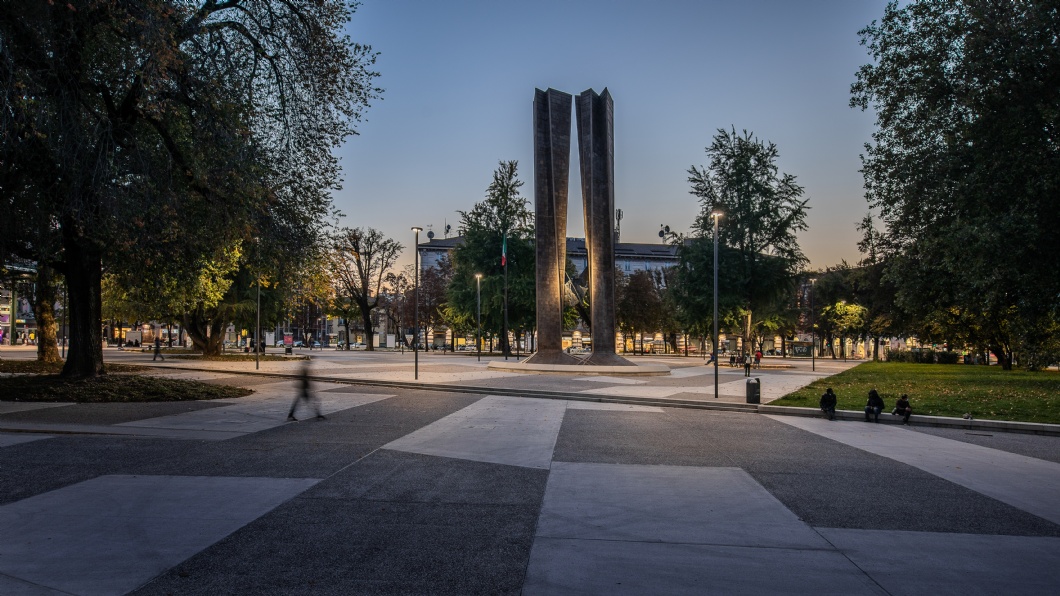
121, 388
943, 390
35, 367
237, 357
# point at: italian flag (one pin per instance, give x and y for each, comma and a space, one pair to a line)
504, 251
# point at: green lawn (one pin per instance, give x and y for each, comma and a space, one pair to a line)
943, 390
38, 381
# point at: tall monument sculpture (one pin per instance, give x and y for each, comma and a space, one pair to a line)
551, 174
552, 127
596, 148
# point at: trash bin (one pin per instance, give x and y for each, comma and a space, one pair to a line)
754, 391
288, 351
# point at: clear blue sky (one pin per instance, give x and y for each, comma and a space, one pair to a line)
459, 81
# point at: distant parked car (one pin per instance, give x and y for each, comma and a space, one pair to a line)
357, 346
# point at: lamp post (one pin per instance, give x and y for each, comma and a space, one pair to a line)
478, 314
716, 216
813, 331
416, 306
257, 323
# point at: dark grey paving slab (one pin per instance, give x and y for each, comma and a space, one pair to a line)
1041, 447
8, 439
393, 523
100, 414
825, 483
1027, 483
113, 533
33, 468
562, 566
958, 564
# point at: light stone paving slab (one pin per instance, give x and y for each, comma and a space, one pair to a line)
1030, 484
257, 414
111, 534
593, 405
613, 380
496, 429
959, 564
633, 529
9, 439
10, 407
676, 504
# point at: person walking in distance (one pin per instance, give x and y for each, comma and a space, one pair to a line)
304, 394
158, 349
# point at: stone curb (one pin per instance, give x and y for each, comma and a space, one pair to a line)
1034, 428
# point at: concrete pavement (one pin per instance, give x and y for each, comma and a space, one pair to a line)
421, 491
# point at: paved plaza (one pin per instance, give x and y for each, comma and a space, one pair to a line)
460, 485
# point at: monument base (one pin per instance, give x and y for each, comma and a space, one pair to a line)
579, 366
553, 357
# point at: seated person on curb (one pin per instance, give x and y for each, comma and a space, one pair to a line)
828, 403
874, 406
902, 408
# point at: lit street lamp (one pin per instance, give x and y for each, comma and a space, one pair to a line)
416, 307
716, 216
813, 331
478, 314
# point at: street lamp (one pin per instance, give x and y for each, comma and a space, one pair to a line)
813, 331
478, 314
257, 328
716, 215
416, 307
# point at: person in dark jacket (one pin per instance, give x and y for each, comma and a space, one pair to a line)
828, 403
902, 408
158, 349
874, 406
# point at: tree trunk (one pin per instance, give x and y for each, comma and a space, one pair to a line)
369, 332
84, 275
44, 311
206, 332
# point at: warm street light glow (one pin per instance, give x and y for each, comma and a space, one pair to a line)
416, 306
478, 315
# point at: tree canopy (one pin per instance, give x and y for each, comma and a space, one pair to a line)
503, 219
964, 165
762, 211
150, 135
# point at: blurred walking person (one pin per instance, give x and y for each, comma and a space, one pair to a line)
305, 395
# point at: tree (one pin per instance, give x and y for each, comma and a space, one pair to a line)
965, 163
502, 220
361, 259
123, 121
762, 212
638, 305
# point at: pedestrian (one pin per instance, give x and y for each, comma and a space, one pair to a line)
746, 365
758, 359
828, 403
732, 360
902, 408
304, 394
158, 349
874, 406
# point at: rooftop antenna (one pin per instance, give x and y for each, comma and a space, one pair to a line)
430, 233
447, 229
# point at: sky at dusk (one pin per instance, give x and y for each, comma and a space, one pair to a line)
459, 81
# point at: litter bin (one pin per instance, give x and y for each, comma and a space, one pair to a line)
288, 351
754, 391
